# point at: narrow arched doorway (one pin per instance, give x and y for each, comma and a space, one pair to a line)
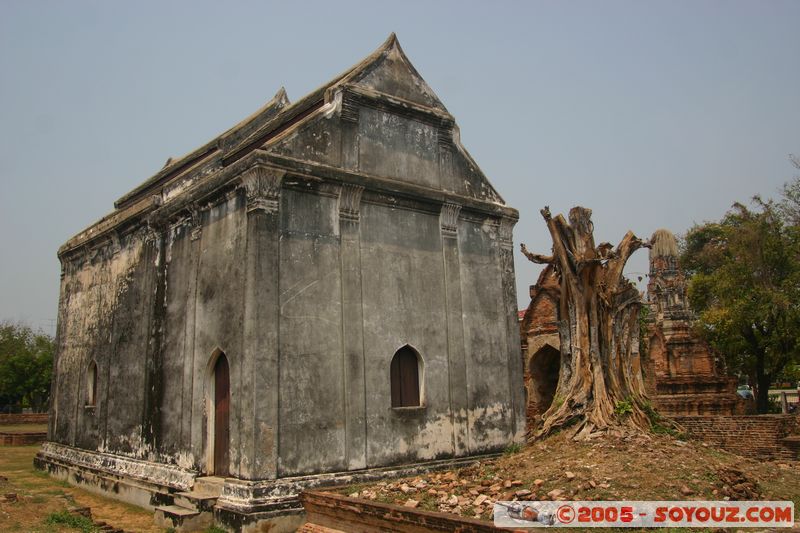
221, 420
544, 366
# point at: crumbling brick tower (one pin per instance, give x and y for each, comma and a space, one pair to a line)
683, 375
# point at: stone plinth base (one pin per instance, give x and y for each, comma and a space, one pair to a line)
242, 506
143, 483
247, 505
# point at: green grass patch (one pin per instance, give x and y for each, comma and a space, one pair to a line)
657, 423
429, 504
558, 401
512, 448
65, 518
623, 407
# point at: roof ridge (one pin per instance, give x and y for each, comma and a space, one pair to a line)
279, 101
286, 111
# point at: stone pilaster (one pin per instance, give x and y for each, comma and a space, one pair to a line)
192, 427
457, 364
349, 115
352, 326
259, 378
155, 239
515, 378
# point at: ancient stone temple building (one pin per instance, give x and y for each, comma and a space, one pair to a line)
683, 375
321, 292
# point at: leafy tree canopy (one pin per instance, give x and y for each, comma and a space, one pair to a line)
745, 286
26, 362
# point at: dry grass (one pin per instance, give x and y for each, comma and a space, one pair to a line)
40, 495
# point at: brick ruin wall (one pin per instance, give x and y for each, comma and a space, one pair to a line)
755, 436
333, 513
21, 439
540, 343
23, 418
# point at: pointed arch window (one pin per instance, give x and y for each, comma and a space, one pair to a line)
405, 373
91, 384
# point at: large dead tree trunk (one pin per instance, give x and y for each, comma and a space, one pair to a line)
600, 381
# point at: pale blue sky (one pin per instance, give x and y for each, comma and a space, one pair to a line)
654, 114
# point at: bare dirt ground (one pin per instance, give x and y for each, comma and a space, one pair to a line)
37, 496
620, 467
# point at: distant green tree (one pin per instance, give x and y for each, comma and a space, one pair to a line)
26, 363
789, 205
745, 286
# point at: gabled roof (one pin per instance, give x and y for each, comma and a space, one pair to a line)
386, 76
277, 114
412, 87
176, 166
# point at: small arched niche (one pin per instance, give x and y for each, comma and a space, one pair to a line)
407, 378
91, 384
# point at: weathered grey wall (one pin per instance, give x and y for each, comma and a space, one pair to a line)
404, 304
203, 315
490, 415
398, 147
104, 315
311, 368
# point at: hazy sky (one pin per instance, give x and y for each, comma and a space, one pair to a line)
653, 114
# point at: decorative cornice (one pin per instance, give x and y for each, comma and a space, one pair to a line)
448, 219
354, 96
386, 186
505, 232
329, 190
151, 232
195, 222
350, 201
445, 135
209, 186
349, 111
262, 184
